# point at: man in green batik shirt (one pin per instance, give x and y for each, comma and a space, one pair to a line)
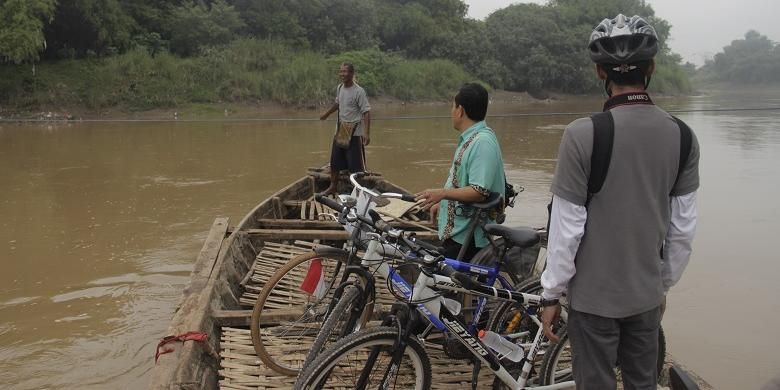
477, 170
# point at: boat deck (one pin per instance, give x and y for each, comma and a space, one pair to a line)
240, 369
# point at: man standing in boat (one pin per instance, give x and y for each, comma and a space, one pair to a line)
353, 130
629, 175
477, 170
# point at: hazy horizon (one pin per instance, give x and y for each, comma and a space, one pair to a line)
700, 28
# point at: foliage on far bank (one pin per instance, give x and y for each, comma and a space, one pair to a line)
247, 70
754, 60
148, 53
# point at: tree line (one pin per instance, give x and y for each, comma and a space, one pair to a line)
523, 47
755, 59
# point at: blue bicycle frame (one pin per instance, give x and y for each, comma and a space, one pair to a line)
490, 272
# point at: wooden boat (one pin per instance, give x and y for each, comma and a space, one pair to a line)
229, 270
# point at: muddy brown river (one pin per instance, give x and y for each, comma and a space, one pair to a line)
100, 224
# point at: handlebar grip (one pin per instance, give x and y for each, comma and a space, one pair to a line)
447, 270
378, 222
334, 204
465, 281
374, 215
428, 246
408, 198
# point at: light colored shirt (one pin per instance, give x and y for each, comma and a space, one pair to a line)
567, 226
353, 103
480, 165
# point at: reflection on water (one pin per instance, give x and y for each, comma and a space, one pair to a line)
101, 223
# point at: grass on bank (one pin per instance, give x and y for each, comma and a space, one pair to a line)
247, 70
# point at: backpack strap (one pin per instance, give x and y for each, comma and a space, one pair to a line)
603, 138
686, 142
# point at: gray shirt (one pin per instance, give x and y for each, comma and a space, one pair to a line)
618, 262
353, 103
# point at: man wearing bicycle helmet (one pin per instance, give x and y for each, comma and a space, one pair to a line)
640, 219
477, 170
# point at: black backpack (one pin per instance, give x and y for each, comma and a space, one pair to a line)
603, 138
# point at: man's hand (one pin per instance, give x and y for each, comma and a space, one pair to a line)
429, 198
366, 140
550, 316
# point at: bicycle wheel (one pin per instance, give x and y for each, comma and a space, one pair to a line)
288, 313
510, 318
557, 364
343, 320
342, 364
556, 367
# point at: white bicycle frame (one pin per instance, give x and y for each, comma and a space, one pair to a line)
423, 290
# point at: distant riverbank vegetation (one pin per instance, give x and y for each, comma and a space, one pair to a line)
148, 54
754, 60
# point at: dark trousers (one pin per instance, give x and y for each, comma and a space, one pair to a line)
352, 158
600, 343
452, 248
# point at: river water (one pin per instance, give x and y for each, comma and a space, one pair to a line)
100, 224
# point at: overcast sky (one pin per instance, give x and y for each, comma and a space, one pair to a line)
700, 28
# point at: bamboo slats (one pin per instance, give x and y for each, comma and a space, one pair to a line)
240, 369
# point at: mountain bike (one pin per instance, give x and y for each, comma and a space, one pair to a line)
393, 355
294, 304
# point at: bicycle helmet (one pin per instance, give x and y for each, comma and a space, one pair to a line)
623, 40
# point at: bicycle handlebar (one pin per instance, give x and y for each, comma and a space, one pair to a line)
332, 203
395, 195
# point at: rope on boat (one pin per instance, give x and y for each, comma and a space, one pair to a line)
189, 336
413, 117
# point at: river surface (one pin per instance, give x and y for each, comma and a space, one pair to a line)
100, 224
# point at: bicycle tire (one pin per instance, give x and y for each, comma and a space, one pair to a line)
383, 337
280, 293
341, 321
499, 323
552, 358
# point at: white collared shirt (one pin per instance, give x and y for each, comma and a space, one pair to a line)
567, 226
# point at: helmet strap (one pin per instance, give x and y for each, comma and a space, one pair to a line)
607, 89
647, 81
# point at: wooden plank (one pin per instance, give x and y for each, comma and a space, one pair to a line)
318, 234
243, 317
273, 223
278, 207
190, 314
408, 223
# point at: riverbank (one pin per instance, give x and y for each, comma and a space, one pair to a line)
246, 72
241, 110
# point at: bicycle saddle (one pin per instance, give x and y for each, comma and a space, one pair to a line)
523, 237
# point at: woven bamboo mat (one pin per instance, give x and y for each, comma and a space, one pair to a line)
242, 370
275, 255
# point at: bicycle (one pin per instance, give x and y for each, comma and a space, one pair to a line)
348, 304
397, 337
292, 303
306, 315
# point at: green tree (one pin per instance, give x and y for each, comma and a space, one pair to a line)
21, 28
197, 24
82, 27
754, 59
